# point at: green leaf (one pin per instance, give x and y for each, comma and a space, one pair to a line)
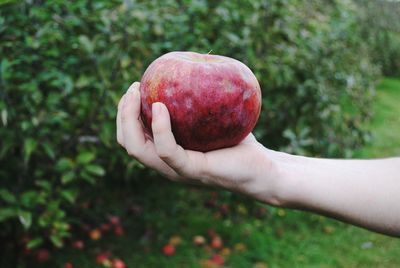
87, 177
69, 195
30, 199
34, 243
83, 81
4, 117
57, 240
29, 146
85, 157
6, 213
25, 217
44, 184
96, 170
68, 177
7, 196
86, 43
49, 150
64, 164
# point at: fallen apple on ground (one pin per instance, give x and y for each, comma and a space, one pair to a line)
168, 250
214, 101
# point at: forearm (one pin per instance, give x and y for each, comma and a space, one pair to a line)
362, 192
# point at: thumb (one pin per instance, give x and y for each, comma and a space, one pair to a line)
164, 141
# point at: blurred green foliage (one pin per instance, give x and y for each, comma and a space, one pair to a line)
380, 26
65, 64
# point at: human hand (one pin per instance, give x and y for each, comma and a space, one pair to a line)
240, 168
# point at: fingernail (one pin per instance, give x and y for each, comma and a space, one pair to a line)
134, 87
155, 109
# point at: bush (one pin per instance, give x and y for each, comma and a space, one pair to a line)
380, 28
65, 65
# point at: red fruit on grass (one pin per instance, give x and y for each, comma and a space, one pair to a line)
95, 234
119, 231
78, 244
115, 220
103, 257
68, 265
105, 227
117, 263
214, 101
42, 255
217, 259
199, 240
216, 242
168, 250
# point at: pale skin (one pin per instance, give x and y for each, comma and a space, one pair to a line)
365, 193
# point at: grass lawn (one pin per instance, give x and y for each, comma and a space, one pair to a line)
385, 126
280, 238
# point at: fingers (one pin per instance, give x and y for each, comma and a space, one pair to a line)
120, 138
132, 132
171, 153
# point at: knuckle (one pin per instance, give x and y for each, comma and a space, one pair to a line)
164, 154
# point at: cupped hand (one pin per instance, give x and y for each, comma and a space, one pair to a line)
237, 168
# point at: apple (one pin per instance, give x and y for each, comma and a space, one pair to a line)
103, 257
115, 220
78, 244
68, 265
199, 240
117, 263
214, 101
42, 255
168, 250
95, 234
119, 230
175, 240
105, 227
217, 259
216, 242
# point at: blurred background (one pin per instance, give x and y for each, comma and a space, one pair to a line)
71, 197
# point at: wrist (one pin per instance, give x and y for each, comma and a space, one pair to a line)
281, 179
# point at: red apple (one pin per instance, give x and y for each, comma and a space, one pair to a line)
216, 242
68, 265
217, 259
168, 250
119, 230
115, 220
117, 263
42, 255
103, 257
95, 234
78, 244
214, 101
105, 227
